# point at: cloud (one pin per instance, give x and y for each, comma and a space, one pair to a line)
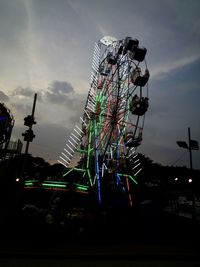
59, 103
3, 97
60, 87
59, 92
164, 69
26, 92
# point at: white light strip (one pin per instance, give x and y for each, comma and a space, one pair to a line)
94, 81
79, 128
83, 121
76, 137
90, 109
93, 76
95, 65
70, 148
96, 54
68, 152
136, 166
92, 101
87, 114
102, 171
120, 120
95, 177
91, 104
92, 97
138, 172
132, 153
74, 140
77, 132
66, 156
105, 166
92, 92
111, 153
64, 159
72, 144
96, 46
96, 49
62, 163
136, 161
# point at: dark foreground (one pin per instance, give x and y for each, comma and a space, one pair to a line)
157, 239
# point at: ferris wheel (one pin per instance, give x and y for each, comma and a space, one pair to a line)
111, 127
6, 124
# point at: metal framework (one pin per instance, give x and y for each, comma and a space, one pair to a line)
111, 128
6, 126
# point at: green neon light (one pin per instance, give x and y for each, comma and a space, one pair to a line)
82, 185
68, 172
31, 181
28, 183
82, 188
132, 179
56, 182
88, 154
53, 185
124, 175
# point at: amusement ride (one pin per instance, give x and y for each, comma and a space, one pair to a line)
6, 126
107, 136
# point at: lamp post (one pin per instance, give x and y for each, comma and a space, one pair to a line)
29, 121
192, 145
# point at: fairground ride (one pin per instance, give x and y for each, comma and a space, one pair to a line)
111, 128
6, 126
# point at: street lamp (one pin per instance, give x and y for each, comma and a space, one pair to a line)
192, 145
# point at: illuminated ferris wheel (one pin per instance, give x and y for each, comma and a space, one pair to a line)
113, 120
6, 124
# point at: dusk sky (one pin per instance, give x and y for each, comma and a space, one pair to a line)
46, 47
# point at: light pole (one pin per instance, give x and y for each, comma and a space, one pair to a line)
29, 121
192, 145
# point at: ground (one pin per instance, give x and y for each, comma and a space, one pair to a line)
164, 240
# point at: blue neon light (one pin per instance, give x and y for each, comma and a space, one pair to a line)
97, 167
2, 118
118, 179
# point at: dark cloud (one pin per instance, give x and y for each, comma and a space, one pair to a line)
20, 91
27, 92
58, 92
3, 97
61, 87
